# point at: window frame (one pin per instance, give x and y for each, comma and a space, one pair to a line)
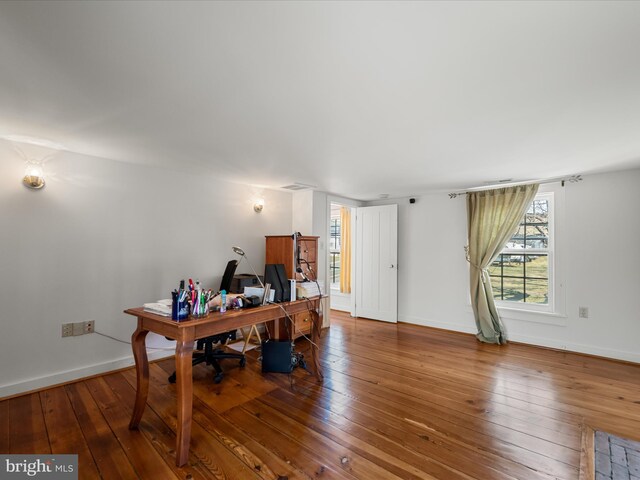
552, 292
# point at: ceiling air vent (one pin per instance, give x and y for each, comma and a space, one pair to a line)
298, 186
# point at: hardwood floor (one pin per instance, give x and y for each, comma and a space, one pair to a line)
398, 401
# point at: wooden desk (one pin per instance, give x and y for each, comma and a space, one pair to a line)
186, 333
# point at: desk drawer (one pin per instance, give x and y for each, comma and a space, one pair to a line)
302, 322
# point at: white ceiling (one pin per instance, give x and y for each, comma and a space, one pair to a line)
357, 98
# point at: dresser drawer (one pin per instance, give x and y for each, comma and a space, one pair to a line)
308, 250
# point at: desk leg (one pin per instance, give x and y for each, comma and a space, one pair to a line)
142, 373
184, 383
316, 328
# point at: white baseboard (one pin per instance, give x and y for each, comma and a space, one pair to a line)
578, 348
537, 341
455, 327
341, 308
75, 374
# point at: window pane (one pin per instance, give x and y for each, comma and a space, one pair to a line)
538, 266
334, 238
537, 236
537, 291
533, 231
334, 267
496, 287
496, 267
521, 278
513, 289
539, 209
536, 222
518, 238
513, 265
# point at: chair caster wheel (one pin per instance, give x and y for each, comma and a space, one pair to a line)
172, 378
243, 362
218, 378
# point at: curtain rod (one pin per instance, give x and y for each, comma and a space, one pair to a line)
562, 180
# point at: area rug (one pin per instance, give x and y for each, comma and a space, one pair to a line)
616, 458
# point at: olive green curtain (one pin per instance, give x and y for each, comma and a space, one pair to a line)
493, 217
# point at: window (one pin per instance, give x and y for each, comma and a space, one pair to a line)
334, 250
521, 276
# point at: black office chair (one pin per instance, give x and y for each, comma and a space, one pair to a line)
209, 354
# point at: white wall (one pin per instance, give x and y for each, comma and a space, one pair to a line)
103, 236
599, 259
320, 216
302, 215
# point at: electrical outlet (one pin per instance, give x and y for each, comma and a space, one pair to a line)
78, 328
67, 330
583, 312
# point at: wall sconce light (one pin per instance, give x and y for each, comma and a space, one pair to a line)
34, 176
259, 205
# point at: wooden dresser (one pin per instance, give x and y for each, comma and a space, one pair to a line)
282, 249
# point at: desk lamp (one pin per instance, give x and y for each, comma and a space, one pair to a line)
239, 251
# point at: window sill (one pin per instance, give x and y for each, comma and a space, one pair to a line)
518, 314
547, 318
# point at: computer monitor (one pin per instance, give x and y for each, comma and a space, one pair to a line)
227, 278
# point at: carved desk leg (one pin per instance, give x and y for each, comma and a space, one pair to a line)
142, 373
184, 383
316, 326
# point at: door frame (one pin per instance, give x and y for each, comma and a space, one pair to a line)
353, 204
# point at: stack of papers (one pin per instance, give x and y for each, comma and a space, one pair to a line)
310, 289
161, 307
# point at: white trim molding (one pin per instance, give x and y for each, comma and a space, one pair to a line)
470, 328
75, 374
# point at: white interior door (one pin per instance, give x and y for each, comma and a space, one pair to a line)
376, 269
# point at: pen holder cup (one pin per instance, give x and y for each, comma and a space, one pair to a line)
199, 311
179, 310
